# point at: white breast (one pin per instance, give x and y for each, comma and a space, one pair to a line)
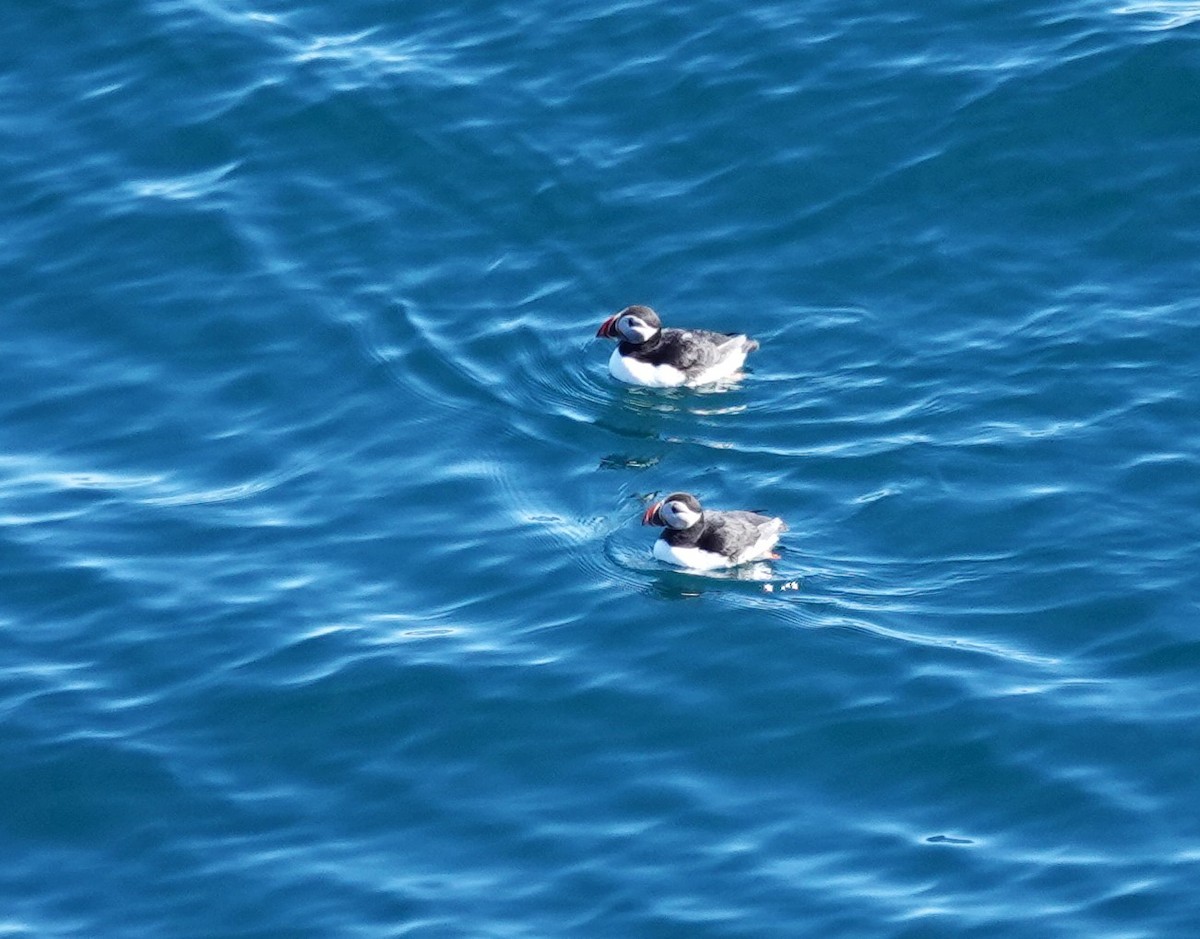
695, 558
634, 372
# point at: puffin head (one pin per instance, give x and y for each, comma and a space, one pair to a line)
679, 510
635, 324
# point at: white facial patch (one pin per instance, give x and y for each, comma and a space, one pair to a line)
634, 329
678, 515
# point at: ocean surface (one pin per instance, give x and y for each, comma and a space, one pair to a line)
325, 609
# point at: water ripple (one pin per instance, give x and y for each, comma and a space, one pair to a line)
324, 595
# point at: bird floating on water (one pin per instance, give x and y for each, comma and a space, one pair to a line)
707, 540
657, 357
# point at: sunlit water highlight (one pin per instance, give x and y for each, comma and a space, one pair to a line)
325, 604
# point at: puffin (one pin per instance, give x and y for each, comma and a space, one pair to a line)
706, 541
654, 357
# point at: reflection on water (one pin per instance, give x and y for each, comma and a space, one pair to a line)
617, 461
324, 591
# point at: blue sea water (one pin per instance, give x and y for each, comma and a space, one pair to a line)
324, 606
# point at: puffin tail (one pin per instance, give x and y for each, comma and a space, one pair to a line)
748, 345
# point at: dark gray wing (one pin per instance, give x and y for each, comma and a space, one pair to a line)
729, 533
696, 350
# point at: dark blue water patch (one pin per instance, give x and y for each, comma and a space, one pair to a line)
325, 604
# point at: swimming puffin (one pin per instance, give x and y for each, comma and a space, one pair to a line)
654, 357
708, 540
